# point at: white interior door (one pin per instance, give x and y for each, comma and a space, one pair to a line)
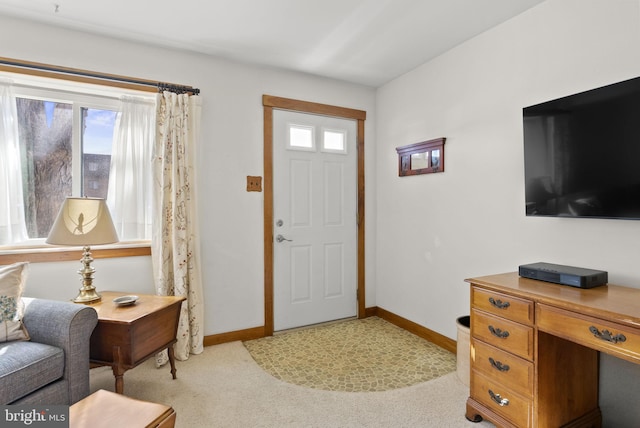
314, 206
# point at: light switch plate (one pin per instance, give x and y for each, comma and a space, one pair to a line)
254, 184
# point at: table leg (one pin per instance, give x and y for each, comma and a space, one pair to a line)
118, 372
172, 361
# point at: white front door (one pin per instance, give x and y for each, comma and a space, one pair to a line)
314, 211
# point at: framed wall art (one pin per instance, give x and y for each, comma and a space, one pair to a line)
421, 158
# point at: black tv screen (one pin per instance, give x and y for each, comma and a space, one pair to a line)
582, 154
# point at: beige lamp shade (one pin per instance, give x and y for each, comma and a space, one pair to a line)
83, 222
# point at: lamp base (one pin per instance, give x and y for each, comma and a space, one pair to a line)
87, 296
87, 292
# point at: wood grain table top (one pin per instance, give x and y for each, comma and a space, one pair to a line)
146, 303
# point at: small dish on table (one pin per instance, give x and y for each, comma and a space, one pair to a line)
125, 300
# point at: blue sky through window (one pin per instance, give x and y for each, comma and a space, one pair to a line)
48, 110
98, 133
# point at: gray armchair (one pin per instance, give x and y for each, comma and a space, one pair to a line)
53, 367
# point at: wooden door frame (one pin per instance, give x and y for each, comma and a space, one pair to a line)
269, 103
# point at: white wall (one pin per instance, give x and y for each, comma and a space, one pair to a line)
436, 230
231, 219
60, 280
425, 234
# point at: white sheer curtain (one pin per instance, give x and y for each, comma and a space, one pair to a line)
12, 223
175, 246
130, 179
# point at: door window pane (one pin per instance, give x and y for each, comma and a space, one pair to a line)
301, 137
334, 141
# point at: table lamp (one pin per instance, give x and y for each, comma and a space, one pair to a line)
84, 222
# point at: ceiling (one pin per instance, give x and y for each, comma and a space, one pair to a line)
364, 41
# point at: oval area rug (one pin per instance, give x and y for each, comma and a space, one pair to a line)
352, 356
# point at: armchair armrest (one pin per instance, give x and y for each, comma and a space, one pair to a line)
68, 326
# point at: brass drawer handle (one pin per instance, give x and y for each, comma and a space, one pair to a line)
498, 333
607, 336
499, 303
498, 365
496, 397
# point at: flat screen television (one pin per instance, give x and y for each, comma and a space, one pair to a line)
582, 154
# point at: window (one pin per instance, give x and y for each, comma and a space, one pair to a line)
64, 145
334, 141
301, 137
65, 138
97, 140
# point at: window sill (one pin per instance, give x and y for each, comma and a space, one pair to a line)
61, 254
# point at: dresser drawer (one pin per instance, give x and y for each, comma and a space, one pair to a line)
502, 400
605, 336
503, 305
503, 367
501, 333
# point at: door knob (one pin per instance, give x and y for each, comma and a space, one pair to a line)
281, 238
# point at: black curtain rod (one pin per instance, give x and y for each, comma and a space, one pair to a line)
179, 89
161, 86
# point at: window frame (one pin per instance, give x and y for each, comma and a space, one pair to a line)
81, 95
9, 255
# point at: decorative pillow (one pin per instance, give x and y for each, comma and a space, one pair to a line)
12, 279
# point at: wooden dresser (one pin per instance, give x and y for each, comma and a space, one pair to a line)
534, 349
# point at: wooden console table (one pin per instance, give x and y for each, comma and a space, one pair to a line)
128, 335
534, 349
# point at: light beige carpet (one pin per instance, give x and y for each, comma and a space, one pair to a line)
224, 388
364, 355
